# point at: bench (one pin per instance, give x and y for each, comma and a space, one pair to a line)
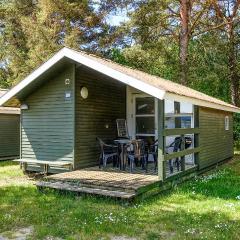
46, 164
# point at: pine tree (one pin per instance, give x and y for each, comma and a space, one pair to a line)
31, 31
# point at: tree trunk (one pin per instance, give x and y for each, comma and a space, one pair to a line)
232, 62
184, 40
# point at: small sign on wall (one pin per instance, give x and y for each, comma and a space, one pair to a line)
68, 95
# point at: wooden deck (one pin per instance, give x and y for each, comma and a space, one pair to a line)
107, 182
97, 181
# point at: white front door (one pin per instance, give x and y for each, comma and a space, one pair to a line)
145, 117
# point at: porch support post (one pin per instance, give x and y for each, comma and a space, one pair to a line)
161, 141
196, 135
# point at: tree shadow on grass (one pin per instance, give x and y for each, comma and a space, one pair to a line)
172, 215
52, 213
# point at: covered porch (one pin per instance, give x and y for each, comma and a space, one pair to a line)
168, 127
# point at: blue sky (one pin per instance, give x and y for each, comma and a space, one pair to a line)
115, 20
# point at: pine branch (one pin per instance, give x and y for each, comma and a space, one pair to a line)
200, 14
210, 29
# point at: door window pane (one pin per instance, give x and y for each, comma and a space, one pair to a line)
145, 125
145, 105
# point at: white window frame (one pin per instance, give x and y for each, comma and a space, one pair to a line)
155, 115
226, 123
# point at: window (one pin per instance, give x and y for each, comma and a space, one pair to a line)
178, 114
226, 123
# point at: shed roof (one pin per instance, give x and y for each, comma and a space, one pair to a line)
7, 110
150, 84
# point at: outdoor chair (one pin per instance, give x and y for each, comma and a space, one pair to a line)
136, 153
152, 149
122, 128
108, 152
176, 145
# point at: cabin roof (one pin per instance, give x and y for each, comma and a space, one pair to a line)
3, 91
150, 84
7, 110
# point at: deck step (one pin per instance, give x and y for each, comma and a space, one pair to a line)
105, 185
83, 189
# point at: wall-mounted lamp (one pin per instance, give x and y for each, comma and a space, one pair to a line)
67, 81
24, 106
84, 92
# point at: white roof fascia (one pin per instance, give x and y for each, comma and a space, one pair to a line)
199, 102
78, 57
108, 71
32, 76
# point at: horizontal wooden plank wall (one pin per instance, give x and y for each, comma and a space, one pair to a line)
106, 102
9, 135
216, 143
47, 126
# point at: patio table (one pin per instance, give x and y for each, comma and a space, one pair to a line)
122, 143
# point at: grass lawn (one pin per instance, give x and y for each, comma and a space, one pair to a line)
207, 207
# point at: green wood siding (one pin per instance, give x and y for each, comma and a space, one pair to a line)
215, 142
106, 102
47, 131
9, 135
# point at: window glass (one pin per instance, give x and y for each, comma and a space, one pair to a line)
169, 106
186, 122
145, 105
145, 125
178, 122
186, 107
189, 161
173, 142
226, 123
178, 114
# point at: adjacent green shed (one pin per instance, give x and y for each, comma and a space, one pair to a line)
9, 131
75, 97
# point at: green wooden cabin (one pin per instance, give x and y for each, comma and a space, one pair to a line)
9, 131
74, 97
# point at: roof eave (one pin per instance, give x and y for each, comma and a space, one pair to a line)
68, 53
199, 102
108, 71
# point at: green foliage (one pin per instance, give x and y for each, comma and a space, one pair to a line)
236, 130
31, 31
154, 30
152, 59
208, 68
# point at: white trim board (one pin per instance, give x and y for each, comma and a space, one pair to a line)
199, 102
80, 58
